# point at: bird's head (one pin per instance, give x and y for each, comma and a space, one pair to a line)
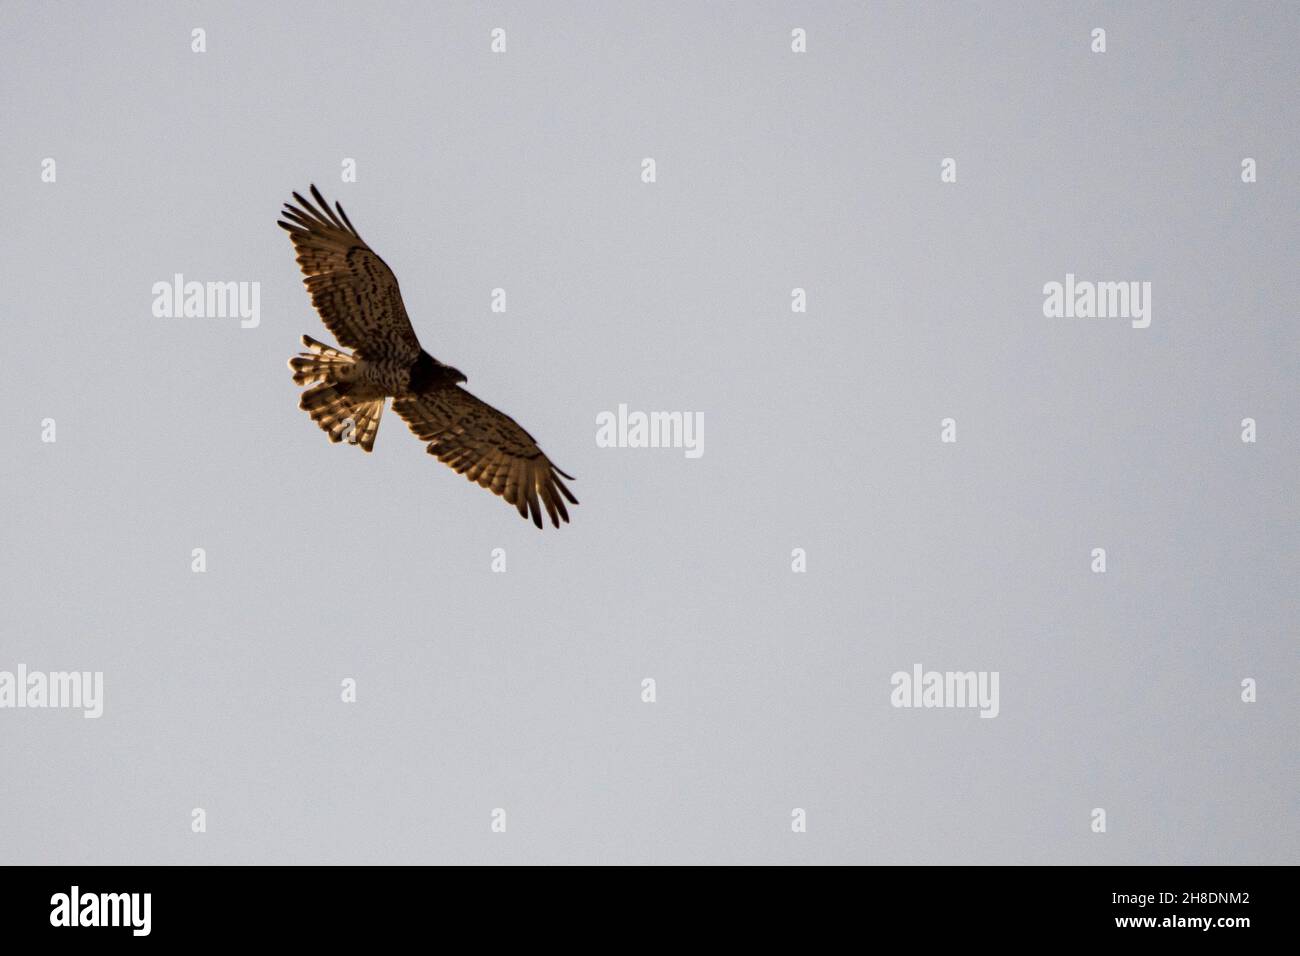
428, 372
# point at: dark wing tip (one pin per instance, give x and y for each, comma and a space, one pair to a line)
329, 216
559, 506
339, 207
564, 489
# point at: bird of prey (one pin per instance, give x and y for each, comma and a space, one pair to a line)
357, 297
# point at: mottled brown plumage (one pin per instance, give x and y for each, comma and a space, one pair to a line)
359, 301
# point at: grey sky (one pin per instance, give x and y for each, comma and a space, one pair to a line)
775, 170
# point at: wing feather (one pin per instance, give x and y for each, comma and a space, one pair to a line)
353, 289
489, 448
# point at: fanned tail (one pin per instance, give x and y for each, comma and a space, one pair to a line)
322, 363
334, 404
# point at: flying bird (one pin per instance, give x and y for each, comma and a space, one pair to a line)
358, 299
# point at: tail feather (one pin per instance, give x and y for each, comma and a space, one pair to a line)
366, 417
336, 406
322, 364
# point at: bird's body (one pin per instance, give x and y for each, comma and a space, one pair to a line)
394, 378
358, 298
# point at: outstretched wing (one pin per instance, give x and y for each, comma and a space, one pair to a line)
353, 289
487, 447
